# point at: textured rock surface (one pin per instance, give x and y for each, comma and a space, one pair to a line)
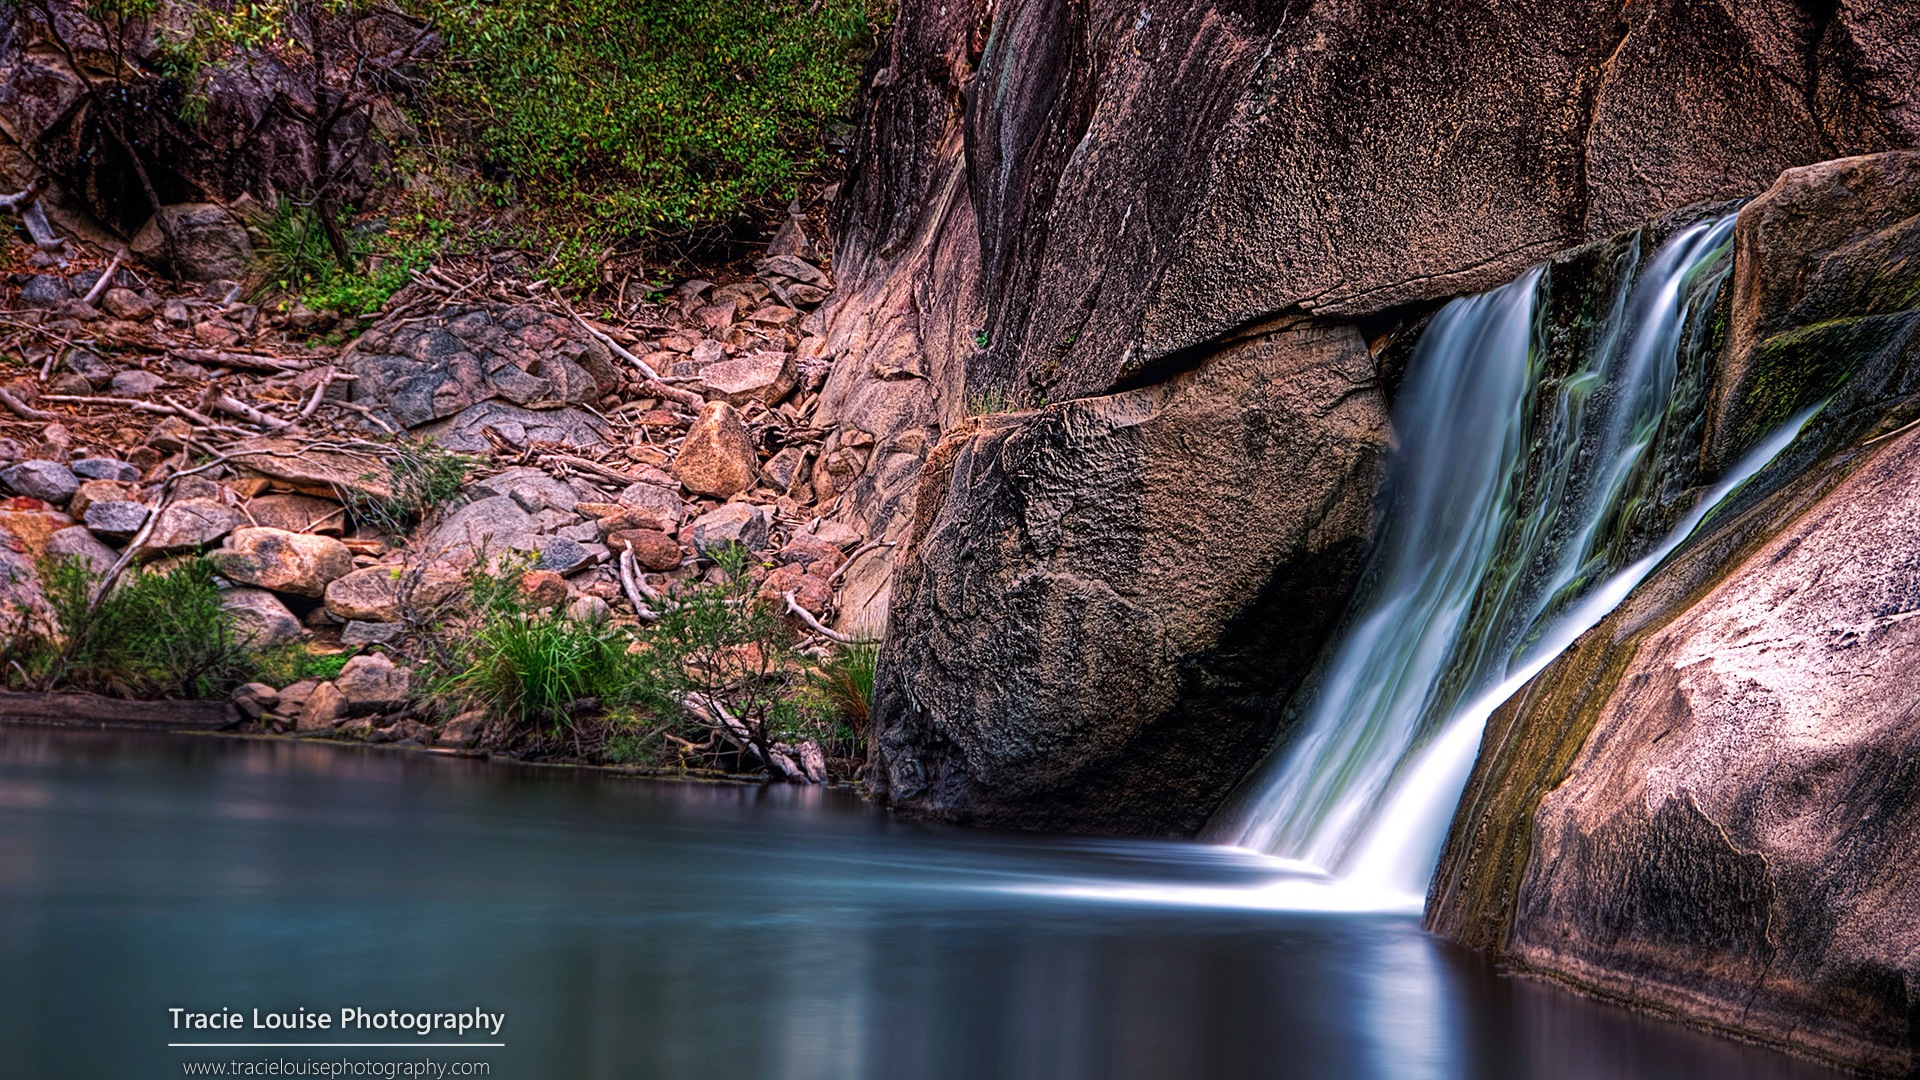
1102, 603
1731, 836
717, 459
285, 562
209, 243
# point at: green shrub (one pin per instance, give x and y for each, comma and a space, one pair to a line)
154, 634
619, 121
292, 663
296, 258
845, 683
422, 476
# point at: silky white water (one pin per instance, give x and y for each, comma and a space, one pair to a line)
1521, 508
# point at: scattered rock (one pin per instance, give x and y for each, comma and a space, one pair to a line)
463, 730
466, 431
840, 535
209, 243
323, 708
286, 562
255, 699
533, 489
135, 383
188, 524
812, 762
734, 523
788, 268
93, 491
543, 589
298, 513
762, 376
651, 506
90, 367
44, 290
785, 467
492, 524
372, 633
76, 540
810, 592
309, 470
717, 459
588, 608
812, 554
260, 619
382, 594
118, 519
563, 556
126, 304
371, 684
105, 469
46, 480
652, 549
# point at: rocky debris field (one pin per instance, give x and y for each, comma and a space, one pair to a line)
143, 422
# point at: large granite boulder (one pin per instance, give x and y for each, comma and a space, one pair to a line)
1101, 604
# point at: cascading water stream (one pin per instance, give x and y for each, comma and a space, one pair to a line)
1521, 508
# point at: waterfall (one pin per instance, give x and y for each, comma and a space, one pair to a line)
1528, 493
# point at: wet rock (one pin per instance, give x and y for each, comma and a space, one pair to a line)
78, 541
188, 524
652, 549
734, 523
762, 376
105, 469
209, 243
384, 594
301, 564
135, 383
717, 458
260, 620
46, 480
372, 684
118, 520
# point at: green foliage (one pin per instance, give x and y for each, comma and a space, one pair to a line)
155, 634
845, 683
292, 663
297, 259
539, 667
422, 476
619, 121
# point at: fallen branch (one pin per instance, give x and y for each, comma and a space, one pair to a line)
233, 406
590, 465
319, 391
655, 384
100, 287
244, 361
857, 552
22, 409
628, 576
814, 624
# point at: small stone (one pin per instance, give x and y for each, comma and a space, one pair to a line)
324, 707
588, 608
116, 519
44, 290
586, 532
170, 434
383, 594
286, 562
644, 503
260, 620
774, 315
69, 384
717, 458
806, 295
844, 537
494, 524
372, 633
189, 524
96, 371
715, 316
463, 730
177, 312
790, 268
812, 554
734, 523
47, 480
532, 489
762, 376
371, 684
652, 549
809, 592
77, 541
543, 589
255, 699
126, 304
105, 469
784, 467
93, 491
561, 555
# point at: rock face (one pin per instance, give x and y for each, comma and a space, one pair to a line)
1052, 202
1181, 549
1730, 840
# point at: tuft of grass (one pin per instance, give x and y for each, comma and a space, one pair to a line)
297, 260
423, 476
154, 634
845, 684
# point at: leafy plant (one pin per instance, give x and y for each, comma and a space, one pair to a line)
155, 633
292, 663
845, 683
614, 122
297, 257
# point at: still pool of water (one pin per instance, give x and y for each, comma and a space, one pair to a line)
645, 929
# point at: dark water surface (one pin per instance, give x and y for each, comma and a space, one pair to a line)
640, 929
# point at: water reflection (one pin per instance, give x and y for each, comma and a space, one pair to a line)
654, 930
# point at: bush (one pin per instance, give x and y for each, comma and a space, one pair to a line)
155, 634
296, 258
616, 121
